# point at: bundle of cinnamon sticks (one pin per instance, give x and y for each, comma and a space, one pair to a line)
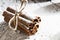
27, 24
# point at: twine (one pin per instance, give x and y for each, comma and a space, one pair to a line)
16, 16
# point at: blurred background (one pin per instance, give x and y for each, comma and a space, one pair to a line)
48, 10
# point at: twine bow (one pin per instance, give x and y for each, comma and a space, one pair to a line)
16, 16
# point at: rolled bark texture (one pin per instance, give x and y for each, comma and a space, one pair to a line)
22, 24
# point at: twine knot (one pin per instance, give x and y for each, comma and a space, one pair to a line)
16, 16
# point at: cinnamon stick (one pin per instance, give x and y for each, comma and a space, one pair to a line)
10, 10
9, 16
31, 31
23, 15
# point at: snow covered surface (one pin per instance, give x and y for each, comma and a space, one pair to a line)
50, 15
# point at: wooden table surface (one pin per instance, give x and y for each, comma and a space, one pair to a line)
8, 34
